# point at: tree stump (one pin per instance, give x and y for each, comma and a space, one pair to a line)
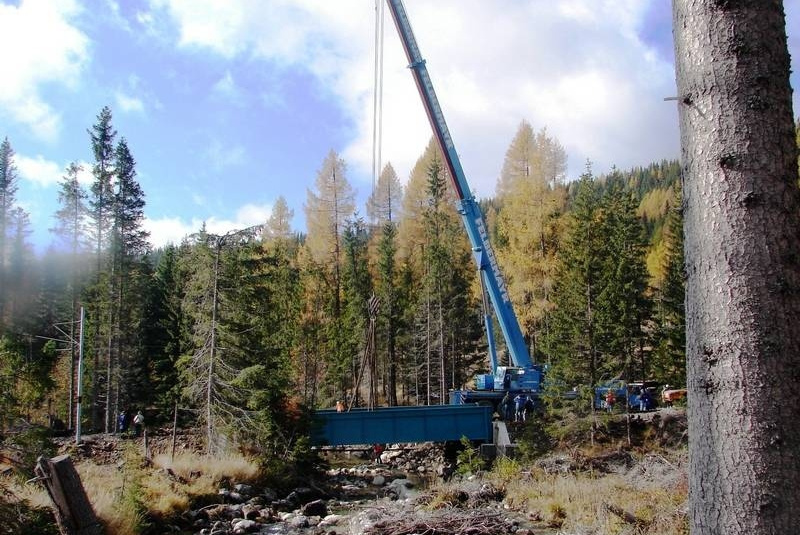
74, 513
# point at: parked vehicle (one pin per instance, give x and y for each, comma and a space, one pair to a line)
632, 392
671, 395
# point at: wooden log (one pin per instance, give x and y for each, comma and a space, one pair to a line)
74, 513
627, 517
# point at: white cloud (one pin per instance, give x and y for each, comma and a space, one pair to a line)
173, 230
85, 176
169, 230
46, 173
578, 69
38, 170
253, 214
43, 47
129, 104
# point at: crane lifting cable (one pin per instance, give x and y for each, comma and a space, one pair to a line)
377, 103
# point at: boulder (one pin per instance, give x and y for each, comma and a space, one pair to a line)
315, 508
298, 522
331, 520
245, 526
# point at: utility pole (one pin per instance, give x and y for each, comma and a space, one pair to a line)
80, 382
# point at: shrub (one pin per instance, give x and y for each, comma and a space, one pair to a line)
506, 469
468, 460
30, 444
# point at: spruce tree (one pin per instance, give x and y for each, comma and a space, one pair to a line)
389, 312
623, 309
572, 340
216, 287
129, 277
21, 275
742, 237
357, 290
8, 190
102, 136
162, 323
71, 231
100, 297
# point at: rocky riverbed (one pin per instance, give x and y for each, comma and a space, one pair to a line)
390, 496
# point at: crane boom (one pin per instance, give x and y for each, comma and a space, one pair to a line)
491, 278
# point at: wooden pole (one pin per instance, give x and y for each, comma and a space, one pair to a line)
174, 430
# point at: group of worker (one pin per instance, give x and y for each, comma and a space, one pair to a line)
517, 408
124, 421
645, 400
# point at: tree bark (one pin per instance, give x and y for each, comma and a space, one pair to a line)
742, 240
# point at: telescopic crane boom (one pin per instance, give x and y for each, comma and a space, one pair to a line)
491, 277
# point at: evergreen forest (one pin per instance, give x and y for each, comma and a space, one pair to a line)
241, 333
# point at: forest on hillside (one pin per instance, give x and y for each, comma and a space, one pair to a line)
243, 331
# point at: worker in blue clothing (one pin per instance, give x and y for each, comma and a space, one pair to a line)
519, 408
645, 400
529, 407
122, 421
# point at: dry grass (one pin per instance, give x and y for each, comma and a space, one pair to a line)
32, 493
232, 467
610, 504
122, 494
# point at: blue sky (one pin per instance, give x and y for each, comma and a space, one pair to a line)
228, 104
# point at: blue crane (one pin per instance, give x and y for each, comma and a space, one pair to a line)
523, 375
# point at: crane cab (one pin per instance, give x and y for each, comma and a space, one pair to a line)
515, 378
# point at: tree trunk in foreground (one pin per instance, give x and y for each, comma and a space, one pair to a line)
742, 231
